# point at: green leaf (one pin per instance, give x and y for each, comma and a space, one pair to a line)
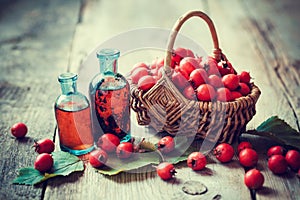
136, 161
278, 130
64, 164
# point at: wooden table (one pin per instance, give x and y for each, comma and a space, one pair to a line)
41, 39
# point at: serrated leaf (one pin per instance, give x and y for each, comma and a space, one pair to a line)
136, 161
64, 164
278, 130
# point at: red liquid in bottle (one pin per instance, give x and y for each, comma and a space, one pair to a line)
112, 107
74, 128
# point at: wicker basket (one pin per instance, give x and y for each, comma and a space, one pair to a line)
165, 108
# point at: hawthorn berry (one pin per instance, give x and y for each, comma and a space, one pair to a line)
165, 170
98, 158
196, 161
224, 152
275, 150
206, 92
293, 159
19, 130
244, 89
224, 94
198, 77
277, 164
244, 145
254, 179
245, 77
166, 144
231, 81
146, 82
124, 150
248, 157
108, 142
44, 162
44, 146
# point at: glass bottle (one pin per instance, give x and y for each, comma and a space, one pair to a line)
72, 112
110, 97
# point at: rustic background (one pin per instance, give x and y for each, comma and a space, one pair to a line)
41, 39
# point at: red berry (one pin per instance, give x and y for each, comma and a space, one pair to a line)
248, 157
215, 81
244, 145
179, 80
138, 66
137, 74
224, 94
189, 93
235, 95
196, 161
124, 150
146, 82
275, 150
244, 89
166, 144
188, 65
224, 152
277, 164
19, 130
44, 146
98, 158
44, 162
225, 68
245, 77
231, 81
165, 170
198, 77
205, 92
108, 142
293, 159
254, 179
211, 66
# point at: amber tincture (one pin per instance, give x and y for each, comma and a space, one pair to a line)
110, 98
73, 117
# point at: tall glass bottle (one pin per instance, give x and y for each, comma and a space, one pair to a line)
110, 98
72, 112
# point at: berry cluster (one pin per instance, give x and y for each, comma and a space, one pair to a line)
44, 161
110, 143
196, 77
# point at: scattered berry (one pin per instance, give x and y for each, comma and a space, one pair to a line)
108, 142
224, 152
275, 150
254, 179
165, 170
277, 164
44, 162
244, 145
248, 157
98, 158
124, 150
196, 161
44, 146
19, 130
293, 159
166, 144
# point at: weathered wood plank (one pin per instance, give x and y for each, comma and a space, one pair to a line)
35, 38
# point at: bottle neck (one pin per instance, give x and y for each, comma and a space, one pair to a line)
68, 83
108, 60
68, 88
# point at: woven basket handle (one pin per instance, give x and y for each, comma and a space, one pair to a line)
217, 53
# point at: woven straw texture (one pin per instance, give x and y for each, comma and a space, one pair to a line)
165, 108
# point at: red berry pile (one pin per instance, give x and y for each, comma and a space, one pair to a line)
198, 78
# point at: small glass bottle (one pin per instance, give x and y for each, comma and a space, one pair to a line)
72, 112
110, 97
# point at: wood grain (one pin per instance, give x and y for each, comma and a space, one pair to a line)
39, 40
